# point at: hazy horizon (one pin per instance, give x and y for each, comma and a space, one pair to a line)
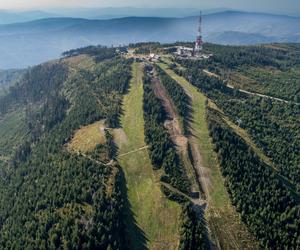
289, 7
32, 37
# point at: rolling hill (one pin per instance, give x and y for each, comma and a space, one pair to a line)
7, 17
24, 44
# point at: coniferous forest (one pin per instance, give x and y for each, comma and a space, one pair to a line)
54, 196
61, 199
162, 151
266, 196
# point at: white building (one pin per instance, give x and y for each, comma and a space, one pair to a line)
185, 51
154, 57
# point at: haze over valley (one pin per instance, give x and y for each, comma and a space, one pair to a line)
157, 126
30, 43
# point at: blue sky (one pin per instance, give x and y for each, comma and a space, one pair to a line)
275, 6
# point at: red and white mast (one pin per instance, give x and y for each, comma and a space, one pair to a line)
199, 41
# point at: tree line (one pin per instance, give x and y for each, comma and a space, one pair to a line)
179, 97
265, 205
99, 53
193, 232
161, 149
55, 199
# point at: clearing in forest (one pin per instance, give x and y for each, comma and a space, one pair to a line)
224, 222
88, 137
152, 220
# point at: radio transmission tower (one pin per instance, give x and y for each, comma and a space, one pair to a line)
199, 41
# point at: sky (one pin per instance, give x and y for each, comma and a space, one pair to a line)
274, 6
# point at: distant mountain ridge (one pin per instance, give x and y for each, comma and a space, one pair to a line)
8, 17
24, 44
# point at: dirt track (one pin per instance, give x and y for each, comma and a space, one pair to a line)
202, 173
224, 227
246, 91
133, 151
172, 124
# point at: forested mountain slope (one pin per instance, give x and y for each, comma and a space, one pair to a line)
61, 198
87, 160
8, 78
71, 192
266, 193
272, 124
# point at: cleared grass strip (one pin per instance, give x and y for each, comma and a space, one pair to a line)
225, 225
156, 218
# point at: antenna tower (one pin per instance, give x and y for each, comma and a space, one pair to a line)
199, 41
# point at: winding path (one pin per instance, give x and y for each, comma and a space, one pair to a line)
211, 74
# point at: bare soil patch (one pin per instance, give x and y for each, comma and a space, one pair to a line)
202, 172
172, 124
